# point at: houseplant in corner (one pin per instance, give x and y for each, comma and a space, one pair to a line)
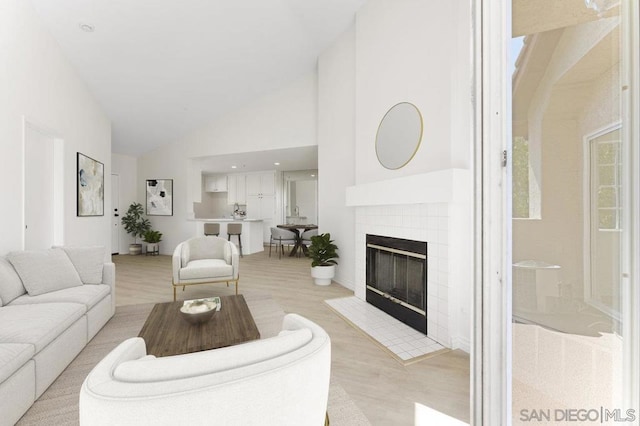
322, 252
136, 226
152, 238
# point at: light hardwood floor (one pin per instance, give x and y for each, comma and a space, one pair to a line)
383, 389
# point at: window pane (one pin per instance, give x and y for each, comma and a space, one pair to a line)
607, 153
607, 175
520, 186
607, 196
607, 219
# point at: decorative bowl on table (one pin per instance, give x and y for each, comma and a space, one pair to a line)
198, 311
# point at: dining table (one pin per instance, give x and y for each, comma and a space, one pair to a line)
296, 228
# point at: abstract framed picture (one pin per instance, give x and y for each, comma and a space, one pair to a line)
160, 197
90, 186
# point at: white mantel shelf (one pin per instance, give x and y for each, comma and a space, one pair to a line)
442, 186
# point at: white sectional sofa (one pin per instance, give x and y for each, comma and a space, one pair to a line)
52, 302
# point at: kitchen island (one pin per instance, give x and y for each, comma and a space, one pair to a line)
252, 233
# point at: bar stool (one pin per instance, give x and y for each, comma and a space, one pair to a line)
235, 229
212, 229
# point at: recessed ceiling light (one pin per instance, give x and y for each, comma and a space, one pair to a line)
313, 175
276, 164
87, 28
234, 167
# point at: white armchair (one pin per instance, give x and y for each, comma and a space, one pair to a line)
283, 380
204, 260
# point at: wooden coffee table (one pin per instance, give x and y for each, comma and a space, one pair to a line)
166, 333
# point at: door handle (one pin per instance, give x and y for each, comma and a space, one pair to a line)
116, 215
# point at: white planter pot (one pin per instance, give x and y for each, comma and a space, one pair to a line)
322, 275
152, 248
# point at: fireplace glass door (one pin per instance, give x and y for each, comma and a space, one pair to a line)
399, 275
397, 278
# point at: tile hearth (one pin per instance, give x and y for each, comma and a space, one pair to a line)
400, 339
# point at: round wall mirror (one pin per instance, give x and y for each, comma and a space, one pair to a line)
399, 135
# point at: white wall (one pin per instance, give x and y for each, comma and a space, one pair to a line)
37, 82
126, 167
336, 150
282, 119
411, 51
398, 52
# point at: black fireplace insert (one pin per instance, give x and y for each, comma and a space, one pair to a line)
397, 278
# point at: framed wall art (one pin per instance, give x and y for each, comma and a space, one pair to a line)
90, 186
160, 197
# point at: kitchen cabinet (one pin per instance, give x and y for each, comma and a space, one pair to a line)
263, 207
261, 183
237, 192
215, 183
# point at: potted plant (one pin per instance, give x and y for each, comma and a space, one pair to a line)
152, 238
136, 226
322, 252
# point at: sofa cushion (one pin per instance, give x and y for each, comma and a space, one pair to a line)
44, 271
88, 295
206, 268
38, 324
10, 283
12, 357
88, 261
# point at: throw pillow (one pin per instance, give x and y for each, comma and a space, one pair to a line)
44, 271
88, 261
10, 284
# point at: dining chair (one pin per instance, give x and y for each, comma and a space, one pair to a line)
306, 238
280, 237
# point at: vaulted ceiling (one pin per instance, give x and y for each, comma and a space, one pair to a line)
162, 68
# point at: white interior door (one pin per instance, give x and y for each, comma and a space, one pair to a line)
39, 190
115, 214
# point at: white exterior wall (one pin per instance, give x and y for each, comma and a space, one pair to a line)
562, 167
37, 82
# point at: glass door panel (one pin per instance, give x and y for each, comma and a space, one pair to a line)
568, 340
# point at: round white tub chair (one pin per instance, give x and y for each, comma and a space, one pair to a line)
282, 380
204, 260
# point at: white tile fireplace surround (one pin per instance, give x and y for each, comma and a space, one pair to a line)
434, 207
